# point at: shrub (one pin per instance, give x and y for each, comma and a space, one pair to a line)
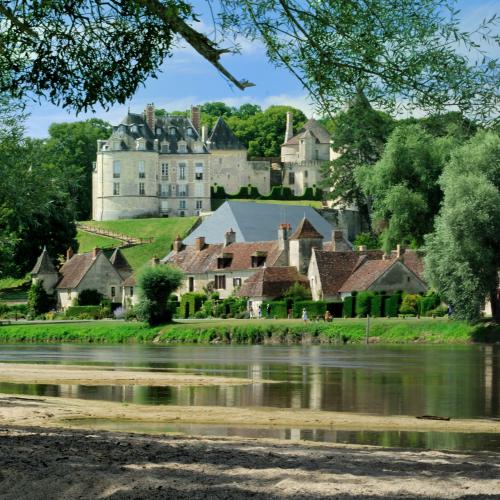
278, 309
363, 302
314, 309
348, 308
89, 297
191, 303
367, 239
377, 305
409, 304
14, 311
439, 311
86, 312
130, 314
39, 301
391, 304
298, 292
427, 303
155, 287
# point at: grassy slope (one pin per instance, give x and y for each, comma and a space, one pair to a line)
14, 289
89, 241
163, 230
439, 331
302, 203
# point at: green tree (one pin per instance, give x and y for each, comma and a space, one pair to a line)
298, 292
72, 148
156, 284
463, 260
404, 186
39, 302
359, 135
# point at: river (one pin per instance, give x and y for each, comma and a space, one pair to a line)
448, 381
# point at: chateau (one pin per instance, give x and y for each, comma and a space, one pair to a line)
152, 166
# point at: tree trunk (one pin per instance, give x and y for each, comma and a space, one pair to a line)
495, 304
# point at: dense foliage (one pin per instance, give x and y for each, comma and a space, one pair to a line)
39, 302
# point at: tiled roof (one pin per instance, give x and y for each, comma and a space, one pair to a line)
414, 260
44, 264
305, 230
120, 263
317, 130
271, 282
191, 260
130, 281
74, 269
368, 272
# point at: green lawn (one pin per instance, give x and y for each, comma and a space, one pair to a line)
163, 230
14, 289
89, 241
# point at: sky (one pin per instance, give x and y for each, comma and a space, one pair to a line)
187, 79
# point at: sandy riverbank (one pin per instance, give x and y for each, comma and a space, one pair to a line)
91, 375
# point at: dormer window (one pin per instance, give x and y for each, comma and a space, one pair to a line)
189, 132
224, 261
181, 147
158, 131
171, 130
165, 147
140, 144
134, 129
258, 259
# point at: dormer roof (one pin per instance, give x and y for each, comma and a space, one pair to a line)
305, 230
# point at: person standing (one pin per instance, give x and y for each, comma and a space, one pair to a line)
268, 311
259, 311
304, 315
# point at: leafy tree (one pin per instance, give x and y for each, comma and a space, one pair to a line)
369, 240
89, 297
101, 51
298, 292
462, 259
404, 186
156, 284
359, 135
72, 149
39, 302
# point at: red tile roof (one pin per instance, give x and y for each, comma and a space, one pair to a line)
271, 282
368, 272
305, 230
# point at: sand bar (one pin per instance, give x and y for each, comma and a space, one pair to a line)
91, 375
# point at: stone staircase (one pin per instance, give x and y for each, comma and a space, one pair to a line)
127, 240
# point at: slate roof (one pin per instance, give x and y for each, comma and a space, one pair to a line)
311, 127
120, 263
239, 256
256, 222
222, 137
74, 269
271, 282
44, 264
305, 230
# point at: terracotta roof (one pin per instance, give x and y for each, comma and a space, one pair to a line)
238, 255
414, 260
368, 272
44, 264
305, 230
74, 269
130, 281
271, 282
317, 130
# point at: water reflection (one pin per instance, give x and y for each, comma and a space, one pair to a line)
454, 381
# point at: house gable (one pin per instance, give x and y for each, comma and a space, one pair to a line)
398, 277
100, 276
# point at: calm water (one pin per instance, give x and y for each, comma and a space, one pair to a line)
451, 381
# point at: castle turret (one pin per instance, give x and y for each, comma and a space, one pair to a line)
45, 272
302, 241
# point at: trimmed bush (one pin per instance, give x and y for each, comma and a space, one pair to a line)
89, 297
391, 304
348, 307
86, 312
278, 309
314, 309
377, 306
191, 303
427, 303
363, 302
409, 304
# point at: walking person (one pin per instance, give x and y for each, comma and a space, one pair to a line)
304, 315
259, 311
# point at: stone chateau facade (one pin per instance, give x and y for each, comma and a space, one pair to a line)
165, 166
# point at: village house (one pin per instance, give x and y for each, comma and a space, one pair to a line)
95, 270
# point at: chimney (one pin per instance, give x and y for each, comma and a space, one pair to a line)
289, 126
283, 233
195, 117
204, 133
149, 116
69, 253
229, 237
337, 240
362, 248
399, 251
95, 252
199, 243
178, 244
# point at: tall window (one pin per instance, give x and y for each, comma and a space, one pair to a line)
198, 174
116, 188
182, 148
220, 282
165, 147
163, 189
141, 189
291, 178
113, 292
164, 171
182, 189
182, 204
141, 167
306, 174
199, 204
117, 168
199, 190
182, 172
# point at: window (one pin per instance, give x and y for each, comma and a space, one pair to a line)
164, 190
291, 178
164, 171
306, 173
198, 174
131, 291
199, 190
182, 204
113, 292
141, 167
117, 168
171, 131
165, 147
141, 189
140, 145
236, 282
191, 284
258, 260
199, 204
158, 131
116, 188
134, 129
182, 189
181, 173
181, 147
189, 131
220, 282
